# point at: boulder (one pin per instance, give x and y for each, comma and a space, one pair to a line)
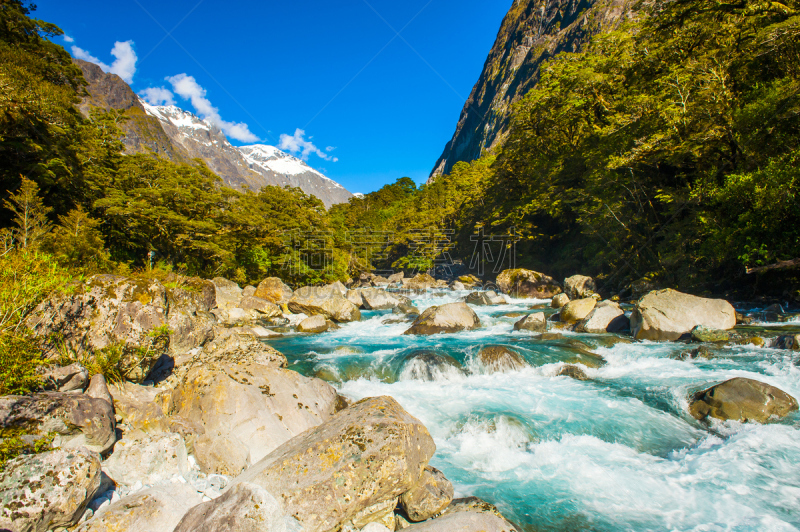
429, 366
314, 324
221, 455
476, 515
577, 310
449, 318
573, 372
559, 301
139, 408
354, 297
788, 341
605, 317
380, 282
701, 333
485, 299
98, 389
666, 315
369, 453
421, 281
500, 359
326, 301
227, 294
229, 345
77, 419
521, 283
151, 460
243, 508
158, 509
260, 406
457, 286
396, 277
406, 308
274, 290
533, 322
338, 287
264, 308
377, 299
65, 379
249, 291
579, 287
742, 400
49, 490
429, 497
378, 517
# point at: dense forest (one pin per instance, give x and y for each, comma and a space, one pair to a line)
666, 150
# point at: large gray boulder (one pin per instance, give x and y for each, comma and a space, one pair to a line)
429, 497
666, 315
77, 420
369, 453
605, 317
378, 299
257, 405
158, 509
313, 324
46, 491
521, 283
153, 459
449, 318
243, 508
579, 287
742, 400
327, 301
227, 294
274, 290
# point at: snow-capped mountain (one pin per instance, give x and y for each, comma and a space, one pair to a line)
179, 135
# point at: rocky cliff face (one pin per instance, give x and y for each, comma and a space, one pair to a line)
180, 136
532, 32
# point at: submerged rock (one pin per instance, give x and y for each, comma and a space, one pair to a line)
432, 494
523, 283
500, 359
579, 287
742, 400
372, 452
429, 366
666, 315
46, 491
573, 372
449, 318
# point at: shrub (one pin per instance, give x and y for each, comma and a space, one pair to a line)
20, 361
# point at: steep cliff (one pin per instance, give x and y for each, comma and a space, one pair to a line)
532, 32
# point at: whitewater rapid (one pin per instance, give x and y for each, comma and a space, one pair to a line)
616, 452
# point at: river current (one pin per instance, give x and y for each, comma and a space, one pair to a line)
616, 452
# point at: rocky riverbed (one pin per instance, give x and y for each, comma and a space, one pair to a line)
395, 403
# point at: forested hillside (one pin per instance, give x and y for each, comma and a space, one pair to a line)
666, 150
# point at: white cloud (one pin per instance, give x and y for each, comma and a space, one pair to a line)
158, 96
299, 146
124, 64
68, 39
187, 88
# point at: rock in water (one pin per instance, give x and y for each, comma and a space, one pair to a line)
500, 359
559, 301
243, 508
429, 497
369, 453
77, 419
274, 290
158, 509
354, 297
742, 400
429, 366
605, 317
327, 301
377, 299
666, 315
573, 372
46, 491
702, 333
485, 299
527, 284
577, 310
449, 318
579, 287
534, 323
422, 281
314, 324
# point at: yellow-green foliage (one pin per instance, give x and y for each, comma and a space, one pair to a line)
12, 445
20, 361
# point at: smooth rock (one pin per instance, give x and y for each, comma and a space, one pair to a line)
666, 315
559, 301
243, 508
742, 400
702, 333
354, 297
221, 455
369, 453
604, 318
151, 460
449, 318
406, 309
579, 287
227, 294
98, 389
500, 359
533, 322
422, 281
77, 419
158, 509
457, 286
521, 283
274, 290
326, 301
314, 324
429, 497
49, 490
266, 309
577, 310
489, 298
430, 366
377, 299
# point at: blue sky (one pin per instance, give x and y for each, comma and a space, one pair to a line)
373, 106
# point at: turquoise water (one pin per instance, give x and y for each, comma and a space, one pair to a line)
617, 452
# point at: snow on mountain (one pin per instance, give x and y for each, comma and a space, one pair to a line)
272, 158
